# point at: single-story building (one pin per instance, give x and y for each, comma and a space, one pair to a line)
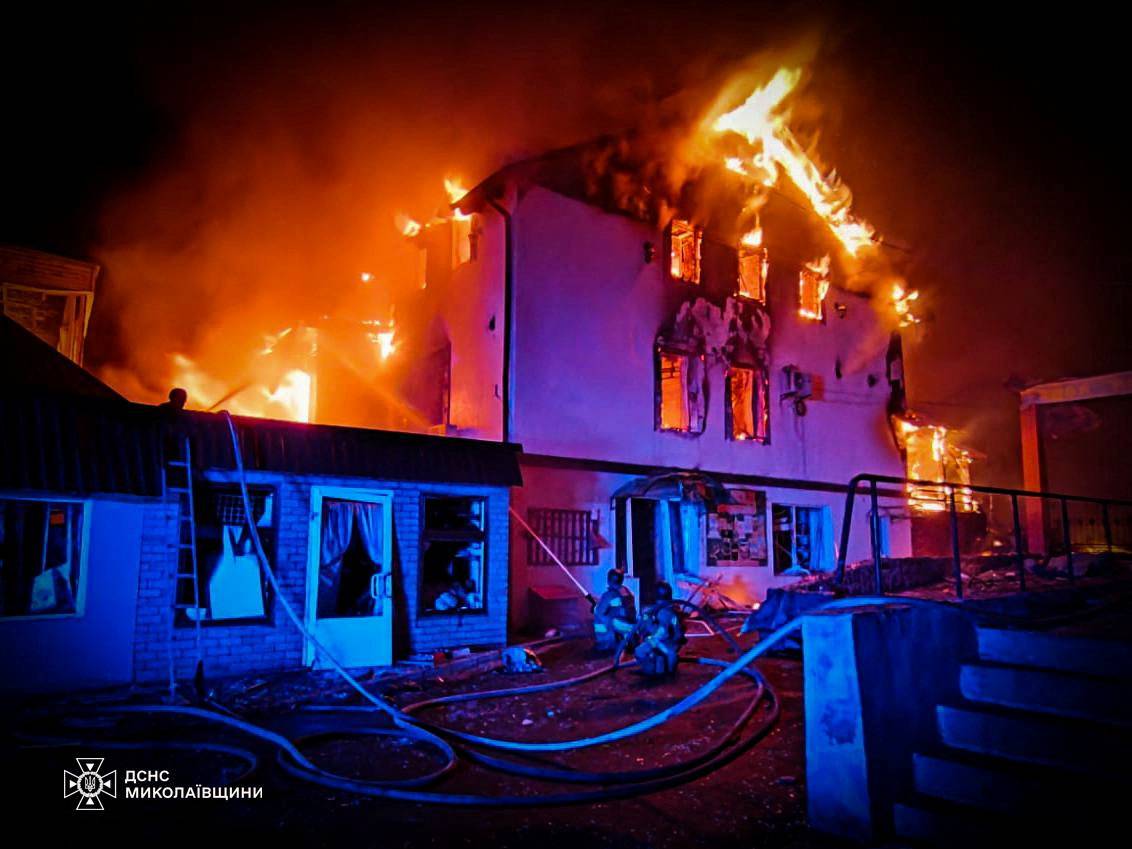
388, 545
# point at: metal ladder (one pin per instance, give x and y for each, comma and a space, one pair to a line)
178, 482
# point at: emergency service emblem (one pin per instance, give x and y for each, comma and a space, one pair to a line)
89, 784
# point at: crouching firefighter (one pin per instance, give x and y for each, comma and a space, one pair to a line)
615, 614
661, 632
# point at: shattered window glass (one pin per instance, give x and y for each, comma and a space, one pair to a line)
684, 251
40, 555
799, 537
453, 554
230, 582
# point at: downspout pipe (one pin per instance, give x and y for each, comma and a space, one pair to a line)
508, 297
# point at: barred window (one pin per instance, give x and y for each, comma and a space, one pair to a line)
571, 534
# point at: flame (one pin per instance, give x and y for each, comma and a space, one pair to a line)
293, 394
902, 304
813, 286
406, 225
290, 399
932, 455
383, 337
753, 238
454, 188
761, 120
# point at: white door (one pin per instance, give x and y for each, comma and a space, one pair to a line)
349, 576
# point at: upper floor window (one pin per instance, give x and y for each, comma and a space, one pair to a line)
748, 403
753, 267
684, 250
679, 391
453, 554
571, 534
813, 286
40, 557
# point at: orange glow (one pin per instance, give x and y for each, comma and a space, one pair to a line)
289, 399
294, 394
454, 188
903, 303
932, 455
813, 286
753, 265
761, 120
406, 225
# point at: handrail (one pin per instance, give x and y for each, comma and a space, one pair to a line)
949, 489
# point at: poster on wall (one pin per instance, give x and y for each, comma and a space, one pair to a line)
736, 532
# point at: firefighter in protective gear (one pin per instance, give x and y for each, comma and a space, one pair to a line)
615, 614
661, 631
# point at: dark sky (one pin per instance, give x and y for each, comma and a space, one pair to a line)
184, 147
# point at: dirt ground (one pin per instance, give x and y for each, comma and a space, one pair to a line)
756, 800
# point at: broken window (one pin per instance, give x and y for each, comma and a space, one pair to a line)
748, 403
40, 557
453, 554
802, 539
753, 268
230, 582
931, 455
679, 392
684, 247
813, 285
571, 534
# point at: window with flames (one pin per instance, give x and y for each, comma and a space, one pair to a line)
571, 534
753, 268
679, 391
748, 404
684, 251
813, 286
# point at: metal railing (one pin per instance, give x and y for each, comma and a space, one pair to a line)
949, 491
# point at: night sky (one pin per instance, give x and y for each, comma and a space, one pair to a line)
207, 157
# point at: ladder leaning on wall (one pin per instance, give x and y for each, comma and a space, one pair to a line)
178, 483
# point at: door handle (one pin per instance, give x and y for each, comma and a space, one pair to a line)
375, 585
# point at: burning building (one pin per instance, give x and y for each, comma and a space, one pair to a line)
687, 356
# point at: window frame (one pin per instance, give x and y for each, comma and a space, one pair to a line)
213, 485
817, 509
807, 276
537, 557
670, 243
424, 538
84, 557
660, 351
760, 386
748, 252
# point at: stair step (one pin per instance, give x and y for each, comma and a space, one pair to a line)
938, 824
998, 786
1073, 745
1042, 691
1085, 656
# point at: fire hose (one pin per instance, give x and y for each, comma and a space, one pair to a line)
404, 724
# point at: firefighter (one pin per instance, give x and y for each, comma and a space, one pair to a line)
661, 632
615, 614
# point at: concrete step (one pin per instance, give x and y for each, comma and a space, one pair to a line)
1080, 655
1106, 700
999, 786
1073, 745
925, 821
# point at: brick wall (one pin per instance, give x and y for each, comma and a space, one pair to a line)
236, 649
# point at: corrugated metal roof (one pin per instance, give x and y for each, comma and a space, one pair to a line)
68, 444
27, 362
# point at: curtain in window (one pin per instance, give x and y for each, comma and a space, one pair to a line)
821, 540
235, 589
346, 527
